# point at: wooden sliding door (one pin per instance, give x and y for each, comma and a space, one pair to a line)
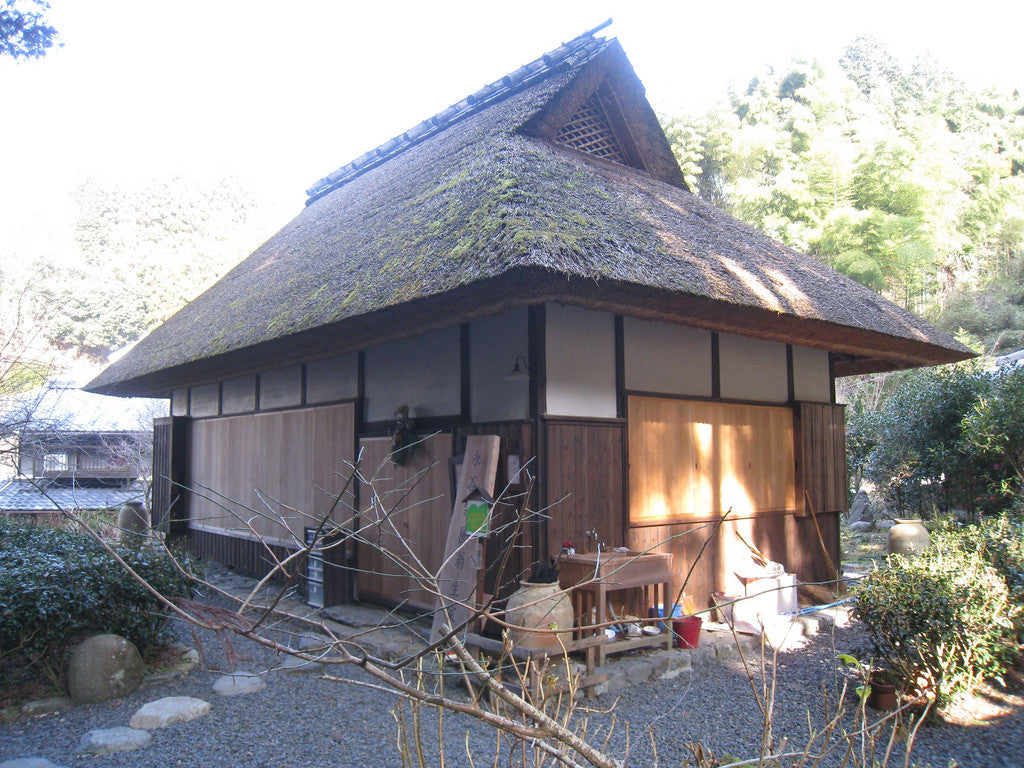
691, 460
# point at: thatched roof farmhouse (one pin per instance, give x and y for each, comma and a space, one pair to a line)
678, 362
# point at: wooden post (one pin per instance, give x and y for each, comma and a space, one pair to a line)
463, 554
169, 501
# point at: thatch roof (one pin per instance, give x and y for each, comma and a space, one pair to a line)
479, 210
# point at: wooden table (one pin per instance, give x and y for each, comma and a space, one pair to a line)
594, 577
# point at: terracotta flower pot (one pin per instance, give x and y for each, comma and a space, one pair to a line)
882, 695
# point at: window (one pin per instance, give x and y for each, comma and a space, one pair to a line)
55, 462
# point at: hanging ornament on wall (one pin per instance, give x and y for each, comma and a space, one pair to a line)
403, 439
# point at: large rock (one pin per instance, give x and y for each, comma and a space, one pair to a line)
862, 509
104, 667
907, 537
106, 741
168, 711
862, 526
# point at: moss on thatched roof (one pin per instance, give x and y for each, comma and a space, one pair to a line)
488, 213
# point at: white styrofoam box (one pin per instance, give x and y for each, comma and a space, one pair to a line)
787, 593
758, 603
782, 591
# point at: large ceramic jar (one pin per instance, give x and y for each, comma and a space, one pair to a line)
907, 537
539, 606
133, 522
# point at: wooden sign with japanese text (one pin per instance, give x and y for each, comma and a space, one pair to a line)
463, 553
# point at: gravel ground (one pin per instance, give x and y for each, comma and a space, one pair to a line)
300, 721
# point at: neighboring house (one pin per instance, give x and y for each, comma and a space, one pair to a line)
672, 362
1011, 359
80, 451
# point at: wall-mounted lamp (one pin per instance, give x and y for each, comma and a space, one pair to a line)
520, 371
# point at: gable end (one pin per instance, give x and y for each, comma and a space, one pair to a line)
593, 130
603, 112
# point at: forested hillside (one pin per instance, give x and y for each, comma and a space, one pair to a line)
900, 176
125, 257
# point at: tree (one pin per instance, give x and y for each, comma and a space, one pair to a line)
24, 32
902, 178
140, 253
939, 439
996, 423
25, 362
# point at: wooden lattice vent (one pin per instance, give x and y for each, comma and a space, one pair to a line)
590, 131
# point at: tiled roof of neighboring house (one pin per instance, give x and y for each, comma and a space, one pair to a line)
61, 407
21, 495
1013, 358
488, 209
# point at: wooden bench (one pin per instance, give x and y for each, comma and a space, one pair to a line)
534, 658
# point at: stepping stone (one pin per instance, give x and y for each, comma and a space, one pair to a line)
358, 616
29, 762
313, 643
168, 711
106, 741
292, 665
238, 683
46, 707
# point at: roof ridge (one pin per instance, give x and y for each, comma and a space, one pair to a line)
570, 54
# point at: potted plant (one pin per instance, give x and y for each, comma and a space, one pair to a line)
877, 688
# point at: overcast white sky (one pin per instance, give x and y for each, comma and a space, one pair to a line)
281, 93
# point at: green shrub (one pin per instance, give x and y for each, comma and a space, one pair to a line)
995, 425
57, 585
944, 613
939, 439
1000, 541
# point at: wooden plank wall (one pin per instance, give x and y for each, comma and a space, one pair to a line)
790, 538
516, 439
683, 541
244, 554
821, 456
411, 514
270, 474
585, 489
160, 494
821, 472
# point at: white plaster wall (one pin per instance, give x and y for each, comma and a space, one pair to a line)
422, 372
752, 369
281, 388
494, 345
238, 395
334, 379
811, 381
580, 360
204, 400
179, 402
666, 358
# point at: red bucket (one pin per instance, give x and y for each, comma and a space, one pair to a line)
687, 631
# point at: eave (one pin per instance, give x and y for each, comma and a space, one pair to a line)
857, 350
